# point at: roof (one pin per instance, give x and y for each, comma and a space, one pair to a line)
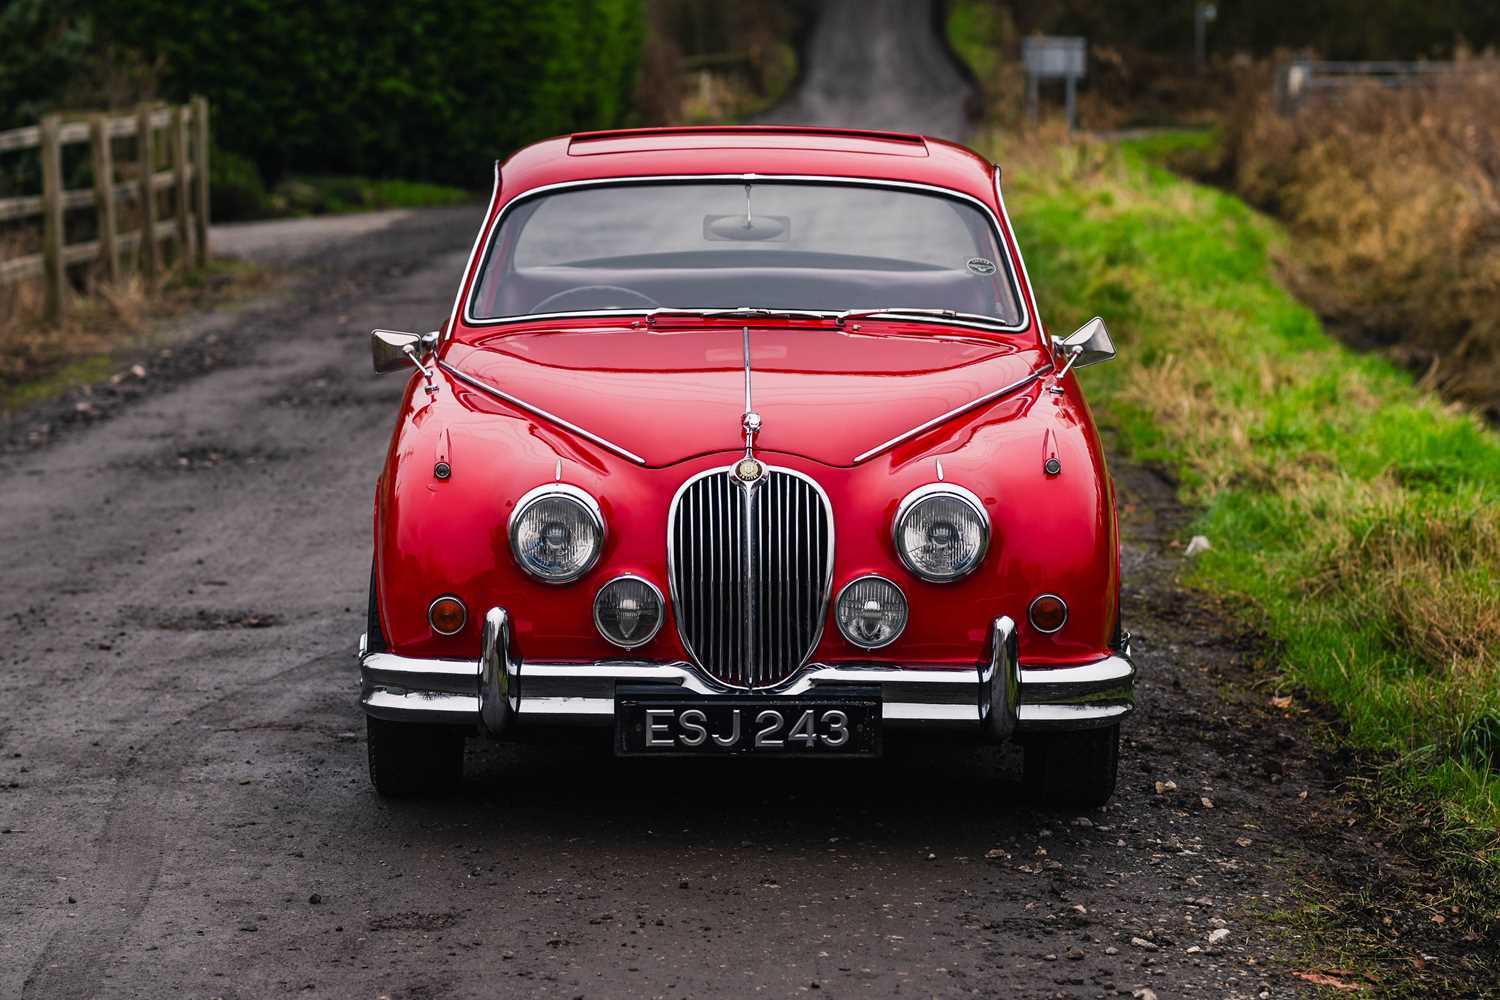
748, 149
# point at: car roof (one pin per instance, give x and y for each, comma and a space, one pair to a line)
748, 149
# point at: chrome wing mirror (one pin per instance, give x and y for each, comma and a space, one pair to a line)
392, 350
1087, 345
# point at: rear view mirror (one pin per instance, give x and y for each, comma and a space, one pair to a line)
1088, 345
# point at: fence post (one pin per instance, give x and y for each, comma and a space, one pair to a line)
150, 251
183, 196
200, 174
104, 194
52, 217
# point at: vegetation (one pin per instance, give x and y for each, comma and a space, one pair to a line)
38, 362
1394, 199
1355, 518
430, 89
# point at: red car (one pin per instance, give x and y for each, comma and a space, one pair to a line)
745, 441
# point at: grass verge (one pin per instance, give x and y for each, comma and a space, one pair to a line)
334, 195
39, 361
1355, 518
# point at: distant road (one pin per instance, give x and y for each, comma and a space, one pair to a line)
878, 64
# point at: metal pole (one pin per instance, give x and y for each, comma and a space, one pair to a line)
1031, 97
1072, 97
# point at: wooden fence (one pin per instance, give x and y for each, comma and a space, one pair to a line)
180, 132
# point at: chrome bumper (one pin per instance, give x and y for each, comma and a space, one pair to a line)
997, 698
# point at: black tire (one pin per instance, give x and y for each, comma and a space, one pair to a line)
1075, 769
408, 759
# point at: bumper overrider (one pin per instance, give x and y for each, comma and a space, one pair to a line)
996, 698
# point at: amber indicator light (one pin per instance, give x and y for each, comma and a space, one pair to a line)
447, 615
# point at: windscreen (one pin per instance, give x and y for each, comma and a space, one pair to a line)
763, 244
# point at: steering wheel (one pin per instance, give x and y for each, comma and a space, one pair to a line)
586, 290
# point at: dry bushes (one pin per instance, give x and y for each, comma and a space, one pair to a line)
1393, 197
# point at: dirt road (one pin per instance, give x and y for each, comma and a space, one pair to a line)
184, 809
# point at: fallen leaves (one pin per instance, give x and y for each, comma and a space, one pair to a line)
1334, 979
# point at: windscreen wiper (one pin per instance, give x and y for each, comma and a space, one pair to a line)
899, 311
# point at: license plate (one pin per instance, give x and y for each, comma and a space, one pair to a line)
781, 727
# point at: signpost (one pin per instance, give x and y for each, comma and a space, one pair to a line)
1054, 57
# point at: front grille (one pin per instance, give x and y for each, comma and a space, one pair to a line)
750, 572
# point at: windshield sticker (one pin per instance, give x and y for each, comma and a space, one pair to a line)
981, 265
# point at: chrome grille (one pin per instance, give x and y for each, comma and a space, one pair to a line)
750, 569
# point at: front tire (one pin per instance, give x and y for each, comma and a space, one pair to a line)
1075, 769
408, 759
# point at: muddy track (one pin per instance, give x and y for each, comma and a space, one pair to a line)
185, 810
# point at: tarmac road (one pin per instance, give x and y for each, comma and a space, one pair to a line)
184, 809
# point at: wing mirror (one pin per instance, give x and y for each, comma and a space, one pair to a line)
392, 350
1087, 345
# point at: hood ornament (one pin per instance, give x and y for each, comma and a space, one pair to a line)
749, 468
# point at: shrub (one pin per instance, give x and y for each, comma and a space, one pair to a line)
236, 191
1393, 198
435, 89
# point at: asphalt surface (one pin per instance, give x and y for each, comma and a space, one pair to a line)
184, 809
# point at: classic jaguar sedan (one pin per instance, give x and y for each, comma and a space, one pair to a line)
745, 441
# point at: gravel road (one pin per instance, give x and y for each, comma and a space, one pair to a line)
184, 809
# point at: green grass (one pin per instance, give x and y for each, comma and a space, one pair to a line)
973, 28
1354, 518
316, 195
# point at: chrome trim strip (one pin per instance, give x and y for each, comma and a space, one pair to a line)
661, 604
422, 707
463, 279
468, 313
538, 411
923, 493
1064, 717
1020, 258
956, 411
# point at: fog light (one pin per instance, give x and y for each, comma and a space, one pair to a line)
447, 615
628, 611
871, 612
1048, 613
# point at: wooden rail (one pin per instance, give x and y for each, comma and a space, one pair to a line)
186, 176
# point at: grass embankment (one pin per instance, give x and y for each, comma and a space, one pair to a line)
39, 361
1355, 518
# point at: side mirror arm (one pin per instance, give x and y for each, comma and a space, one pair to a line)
391, 349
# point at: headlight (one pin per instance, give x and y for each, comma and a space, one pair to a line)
941, 532
556, 533
628, 611
871, 612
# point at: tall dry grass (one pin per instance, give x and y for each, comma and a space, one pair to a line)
1393, 198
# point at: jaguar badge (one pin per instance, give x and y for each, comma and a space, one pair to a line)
749, 470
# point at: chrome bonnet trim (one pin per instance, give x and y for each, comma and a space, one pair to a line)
516, 401
943, 418
470, 319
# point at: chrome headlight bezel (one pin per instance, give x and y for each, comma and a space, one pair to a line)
569, 493
909, 504
661, 612
856, 641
